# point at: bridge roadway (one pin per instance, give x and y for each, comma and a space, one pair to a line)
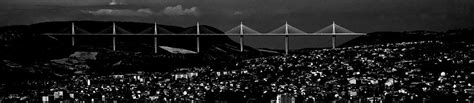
287, 29
272, 34
199, 35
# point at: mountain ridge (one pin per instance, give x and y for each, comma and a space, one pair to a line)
23, 48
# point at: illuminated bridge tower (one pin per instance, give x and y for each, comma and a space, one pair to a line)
242, 31
197, 38
286, 30
334, 30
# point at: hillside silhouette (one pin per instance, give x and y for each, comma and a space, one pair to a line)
26, 51
28, 47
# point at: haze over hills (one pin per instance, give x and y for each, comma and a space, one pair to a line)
458, 35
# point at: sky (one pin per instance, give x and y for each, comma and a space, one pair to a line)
261, 15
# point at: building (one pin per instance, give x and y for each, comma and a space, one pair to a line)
285, 98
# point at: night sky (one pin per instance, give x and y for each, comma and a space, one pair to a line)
262, 15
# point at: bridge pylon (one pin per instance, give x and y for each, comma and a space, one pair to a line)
241, 30
197, 38
241, 37
73, 32
287, 41
334, 30
155, 39
114, 32
333, 38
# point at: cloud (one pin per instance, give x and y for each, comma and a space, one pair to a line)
121, 12
115, 2
238, 13
179, 10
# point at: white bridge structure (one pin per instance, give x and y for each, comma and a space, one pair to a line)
241, 30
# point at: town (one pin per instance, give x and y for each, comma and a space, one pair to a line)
424, 71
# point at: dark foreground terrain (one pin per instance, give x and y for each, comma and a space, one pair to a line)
424, 71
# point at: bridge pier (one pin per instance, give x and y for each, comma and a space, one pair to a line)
241, 37
113, 37
333, 40
241, 43
155, 42
333, 36
197, 44
73, 32
113, 43
155, 45
197, 38
286, 45
286, 39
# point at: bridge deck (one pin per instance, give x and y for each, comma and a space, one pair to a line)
291, 34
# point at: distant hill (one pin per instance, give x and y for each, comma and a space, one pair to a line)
23, 48
459, 35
